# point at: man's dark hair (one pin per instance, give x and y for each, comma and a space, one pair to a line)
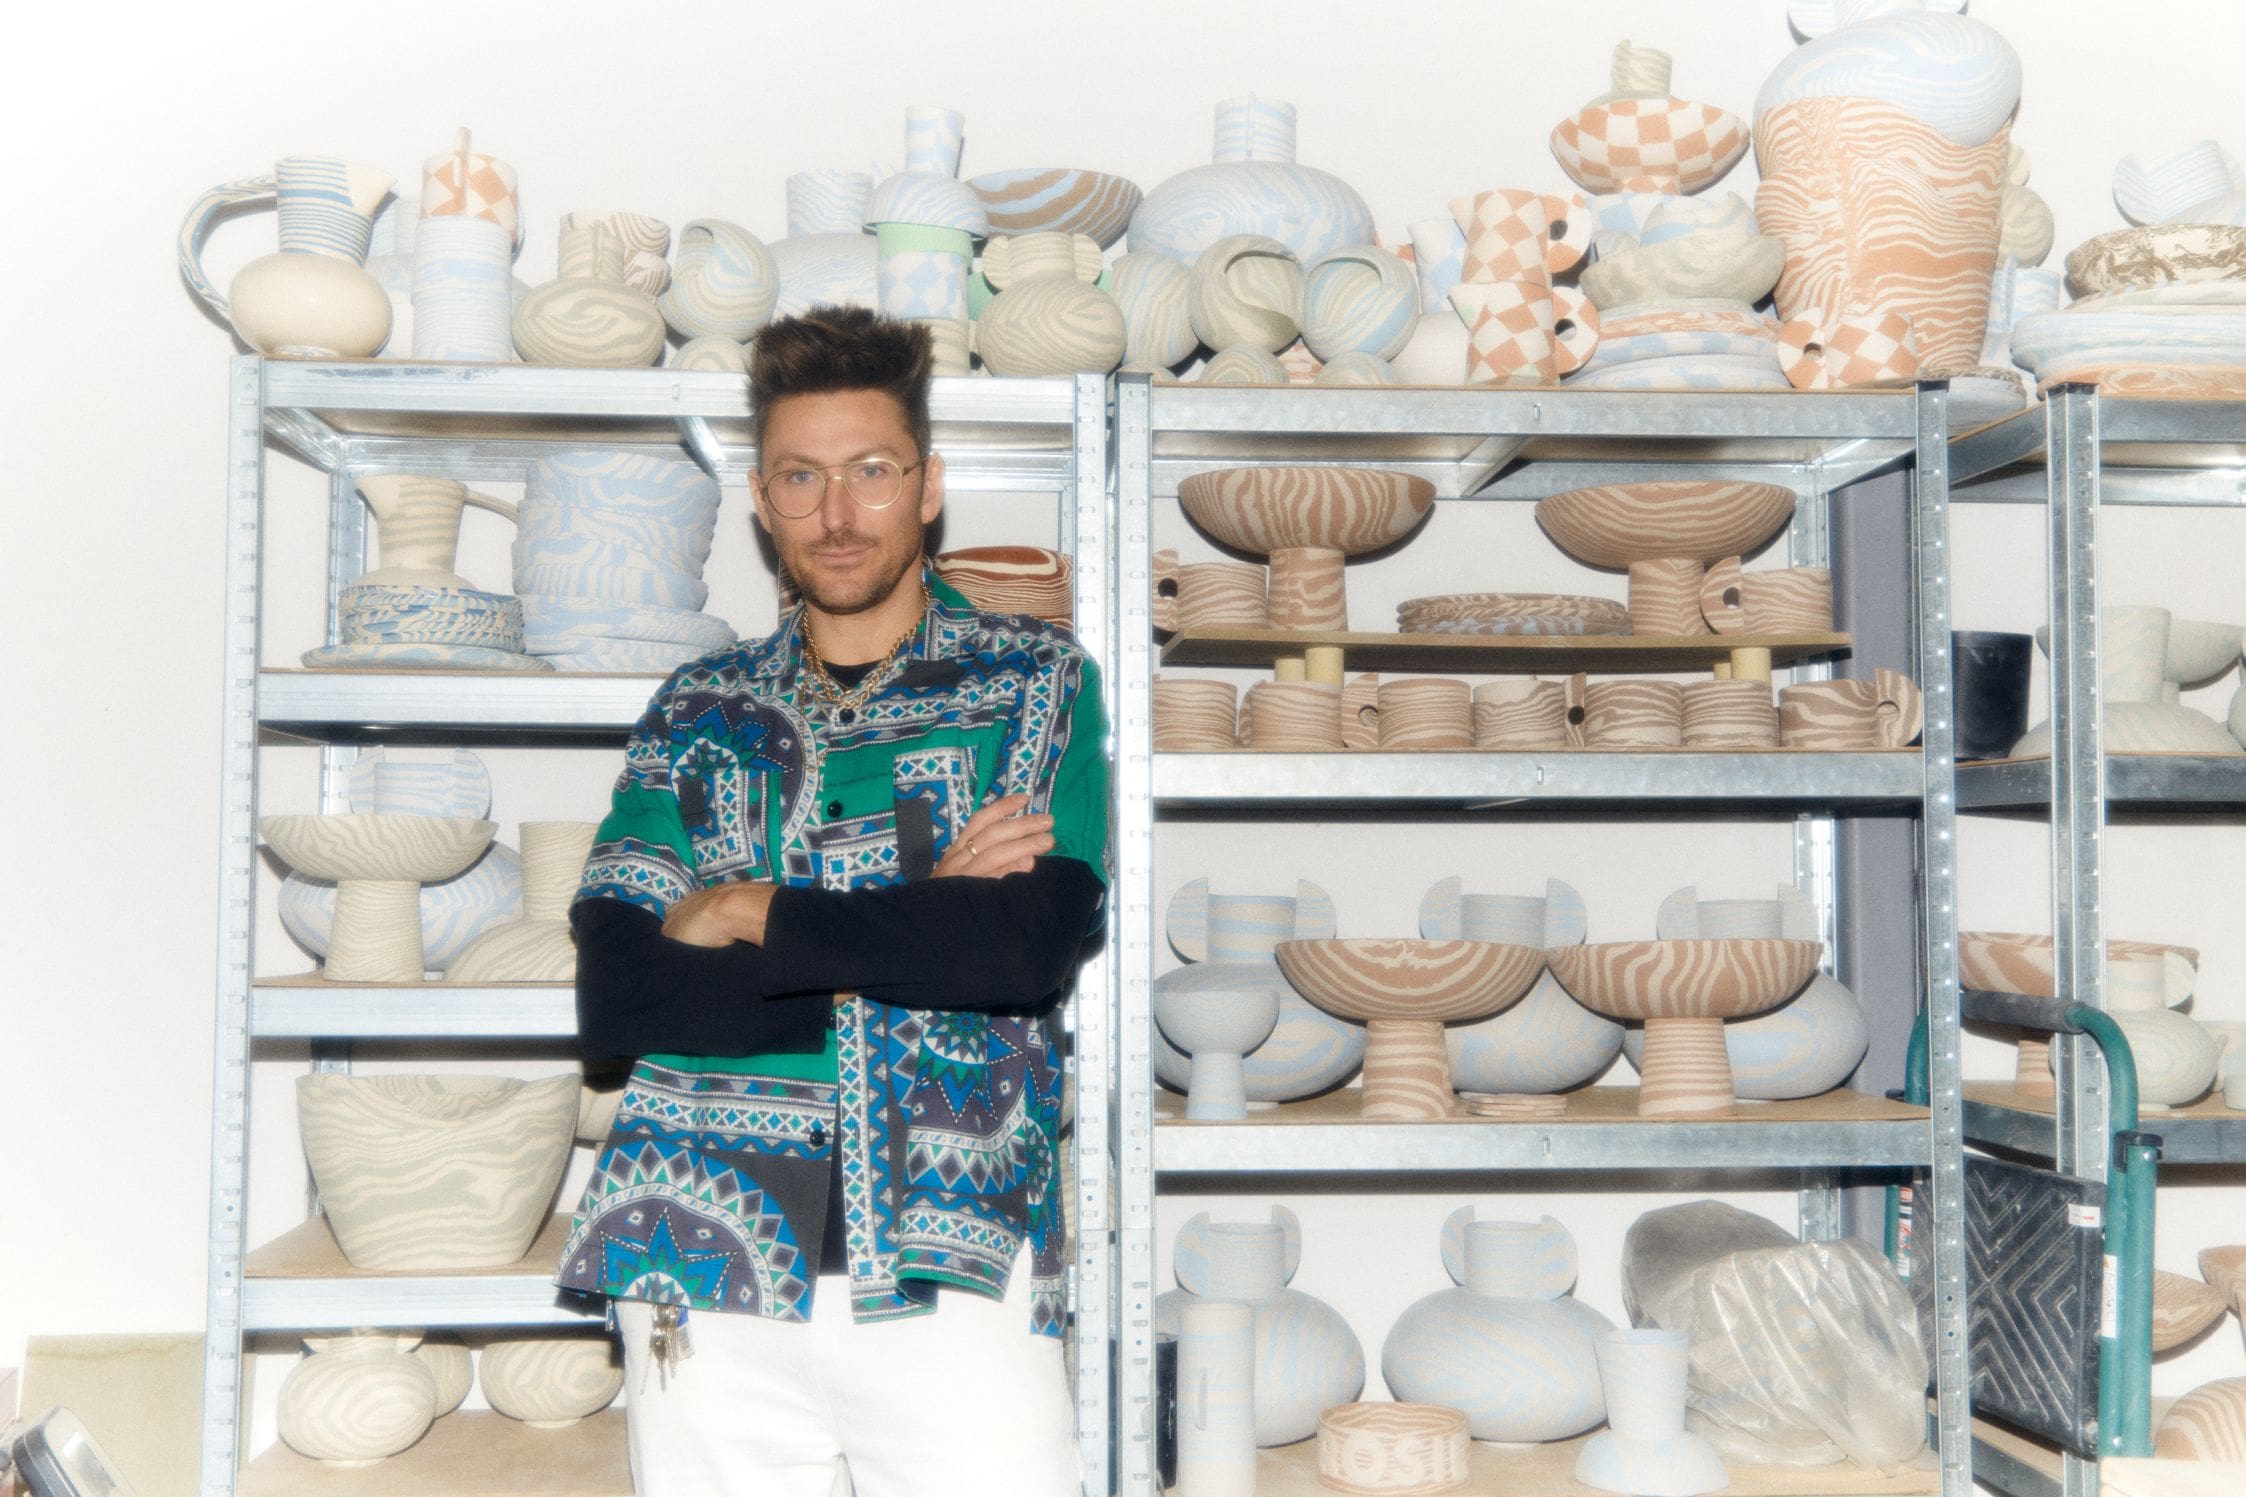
831, 349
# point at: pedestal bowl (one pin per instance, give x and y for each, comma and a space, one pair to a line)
1306, 520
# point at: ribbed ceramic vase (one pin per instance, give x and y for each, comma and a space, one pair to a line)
1229, 940
1306, 1357
1507, 1347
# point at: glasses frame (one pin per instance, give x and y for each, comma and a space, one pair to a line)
831, 472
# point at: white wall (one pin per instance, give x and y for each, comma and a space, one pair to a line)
115, 470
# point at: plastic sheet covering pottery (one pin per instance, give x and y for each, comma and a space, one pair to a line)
1803, 1353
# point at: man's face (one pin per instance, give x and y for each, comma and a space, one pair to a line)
847, 559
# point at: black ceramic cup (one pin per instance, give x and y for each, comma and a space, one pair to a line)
1989, 676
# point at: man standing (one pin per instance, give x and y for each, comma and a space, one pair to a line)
844, 874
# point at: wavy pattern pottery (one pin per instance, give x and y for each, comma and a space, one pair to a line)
1547, 1042
1706, 520
551, 1382
1254, 186
2206, 1424
357, 1399
1392, 1447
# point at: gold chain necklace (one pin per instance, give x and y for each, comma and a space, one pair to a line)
831, 691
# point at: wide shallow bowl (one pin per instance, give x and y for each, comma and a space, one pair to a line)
1430, 981
2008, 962
1013, 579
2069, 344
2157, 255
436, 1171
364, 845
1059, 199
1704, 519
1698, 979
1512, 613
1350, 510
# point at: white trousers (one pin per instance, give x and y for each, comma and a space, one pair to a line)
965, 1402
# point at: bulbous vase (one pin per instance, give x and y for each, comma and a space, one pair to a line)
539, 946
1307, 1359
357, 1398
1507, 1347
1547, 1042
1253, 186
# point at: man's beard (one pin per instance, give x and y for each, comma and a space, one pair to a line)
860, 599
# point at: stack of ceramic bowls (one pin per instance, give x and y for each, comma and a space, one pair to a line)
2159, 309
609, 551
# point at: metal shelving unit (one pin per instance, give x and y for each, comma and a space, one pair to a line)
2077, 453
1460, 440
490, 423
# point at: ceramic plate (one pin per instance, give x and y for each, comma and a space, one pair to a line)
1512, 613
420, 657
2053, 344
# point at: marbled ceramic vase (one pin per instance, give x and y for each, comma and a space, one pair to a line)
357, 1398
1306, 1357
538, 947
600, 311
1507, 1347
1547, 1042
1646, 1450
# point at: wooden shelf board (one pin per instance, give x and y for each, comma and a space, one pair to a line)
2209, 1108
1592, 1104
1549, 1471
309, 1251
1367, 651
472, 1454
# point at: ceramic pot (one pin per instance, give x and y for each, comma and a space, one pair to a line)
1883, 713
1292, 717
538, 947
2177, 1060
1438, 260
1989, 690
1358, 300
1628, 714
1527, 714
1058, 200
1729, 715
1637, 138
314, 299
1706, 520
1392, 1447
2206, 1424
551, 1382
1805, 1047
1424, 713
1243, 366
1545, 1043
629, 528
2199, 184
1195, 716
417, 527
1506, 1348
1524, 332
463, 291
1217, 1026
1253, 186
1233, 939
600, 311
724, 283
1781, 600
1646, 1451
1948, 72
1305, 518
449, 1361
1048, 317
1213, 595
1881, 214
1013, 580
722, 355
1306, 1357
1153, 292
357, 1398
1216, 1424
2182, 1307
463, 183
1246, 292
827, 258
426, 1172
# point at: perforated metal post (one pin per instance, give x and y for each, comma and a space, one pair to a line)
1809, 544
1937, 856
230, 1104
1136, 1474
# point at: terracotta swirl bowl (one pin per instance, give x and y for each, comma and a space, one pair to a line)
1682, 991
1706, 520
1403, 992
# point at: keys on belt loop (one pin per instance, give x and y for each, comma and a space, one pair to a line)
668, 1344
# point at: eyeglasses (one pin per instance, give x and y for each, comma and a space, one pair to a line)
874, 482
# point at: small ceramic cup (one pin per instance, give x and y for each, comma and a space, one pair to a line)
1522, 714
1524, 332
1193, 716
1729, 715
1884, 712
1790, 600
1292, 717
1360, 712
1628, 714
1513, 234
1207, 594
1665, 597
1425, 713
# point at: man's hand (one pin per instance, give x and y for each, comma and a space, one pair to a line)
721, 915
998, 840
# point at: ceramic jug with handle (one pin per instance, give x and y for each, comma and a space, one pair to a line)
417, 527
314, 298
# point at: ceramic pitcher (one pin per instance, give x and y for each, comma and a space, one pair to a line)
313, 298
417, 526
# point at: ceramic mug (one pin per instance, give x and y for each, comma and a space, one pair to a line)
1195, 716
1989, 678
1884, 712
1626, 714
1207, 594
1360, 712
1665, 597
1729, 714
1292, 717
1425, 713
1789, 600
1524, 332
1513, 234
1523, 714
